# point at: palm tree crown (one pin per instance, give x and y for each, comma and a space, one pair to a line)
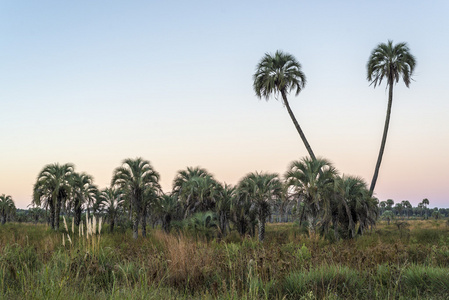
276, 74
390, 62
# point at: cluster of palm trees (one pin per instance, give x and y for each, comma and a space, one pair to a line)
7, 208
323, 200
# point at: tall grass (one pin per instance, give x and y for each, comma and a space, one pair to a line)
288, 265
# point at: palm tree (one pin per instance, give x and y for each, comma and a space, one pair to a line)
223, 207
399, 207
53, 187
262, 190
167, 208
312, 180
7, 207
406, 204
196, 189
348, 205
111, 203
243, 217
83, 192
279, 74
389, 62
390, 203
135, 177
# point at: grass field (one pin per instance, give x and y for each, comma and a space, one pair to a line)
390, 262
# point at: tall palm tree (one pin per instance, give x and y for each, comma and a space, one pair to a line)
53, 186
312, 180
7, 207
279, 74
389, 62
135, 177
262, 189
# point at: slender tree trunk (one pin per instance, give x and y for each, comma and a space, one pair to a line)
57, 213
77, 212
144, 223
52, 214
298, 128
384, 137
261, 229
135, 220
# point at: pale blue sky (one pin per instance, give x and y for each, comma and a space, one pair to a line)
94, 82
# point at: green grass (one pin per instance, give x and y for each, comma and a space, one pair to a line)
288, 265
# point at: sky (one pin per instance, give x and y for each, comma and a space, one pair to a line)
95, 82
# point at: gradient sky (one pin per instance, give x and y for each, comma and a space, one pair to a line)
95, 82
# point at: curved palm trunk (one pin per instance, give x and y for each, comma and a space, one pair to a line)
384, 137
298, 128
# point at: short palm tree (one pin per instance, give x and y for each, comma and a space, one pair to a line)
223, 207
389, 62
84, 192
279, 74
111, 204
53, 186
197, 189
262, 189
7, 207
135, 178
312, 181
167, 208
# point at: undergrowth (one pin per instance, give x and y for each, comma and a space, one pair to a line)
382, 264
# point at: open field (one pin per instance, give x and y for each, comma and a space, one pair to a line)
387, 263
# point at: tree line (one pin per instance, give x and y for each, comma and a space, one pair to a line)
323, 200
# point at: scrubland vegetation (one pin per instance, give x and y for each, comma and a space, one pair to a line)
389, 262
209, 240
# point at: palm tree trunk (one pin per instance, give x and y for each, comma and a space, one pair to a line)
298, 128
384, 137
57, 213
52, 214
144, 222
135, 217
77, 212
261, 229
